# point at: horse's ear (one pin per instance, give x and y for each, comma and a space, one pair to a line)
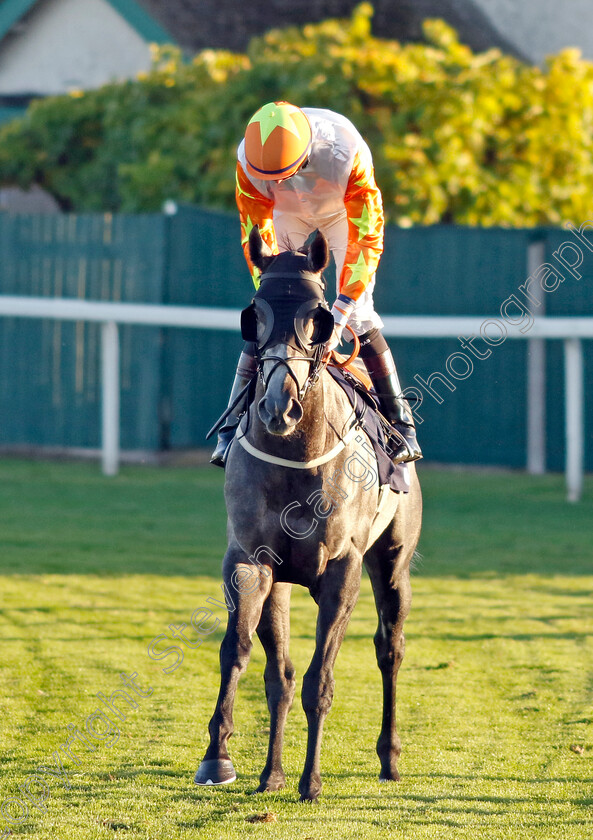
318, 256
259, 251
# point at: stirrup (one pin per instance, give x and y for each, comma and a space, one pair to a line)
220, 454
402, 444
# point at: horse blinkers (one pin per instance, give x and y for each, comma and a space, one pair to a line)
259, 325
257, 330
323, 323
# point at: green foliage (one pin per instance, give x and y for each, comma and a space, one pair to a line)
478, 139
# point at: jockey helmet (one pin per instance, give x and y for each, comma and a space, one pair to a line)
277, 141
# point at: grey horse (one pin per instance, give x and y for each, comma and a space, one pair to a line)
305, 507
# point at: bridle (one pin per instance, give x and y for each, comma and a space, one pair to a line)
317, 362
314, 303
287, 327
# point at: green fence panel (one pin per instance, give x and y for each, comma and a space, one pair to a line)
206, 267
50, 370
175, 382
442, 270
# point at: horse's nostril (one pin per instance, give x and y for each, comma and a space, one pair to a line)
294, 411
279, 419
263, 411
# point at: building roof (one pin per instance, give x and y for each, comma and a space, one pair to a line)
198, 24
139, 17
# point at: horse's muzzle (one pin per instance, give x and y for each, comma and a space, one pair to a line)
281, 414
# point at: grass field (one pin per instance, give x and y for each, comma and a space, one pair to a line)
495, 694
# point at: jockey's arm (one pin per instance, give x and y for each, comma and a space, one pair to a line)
364, 210
254, 209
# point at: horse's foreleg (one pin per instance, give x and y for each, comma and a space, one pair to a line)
274, 634
248, 586
393, 596
336, 596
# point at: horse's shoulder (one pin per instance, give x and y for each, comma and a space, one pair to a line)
333, 388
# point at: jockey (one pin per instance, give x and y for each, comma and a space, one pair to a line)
299, 170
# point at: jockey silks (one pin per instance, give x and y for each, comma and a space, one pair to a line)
337, 183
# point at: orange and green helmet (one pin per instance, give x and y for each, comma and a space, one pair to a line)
277, 141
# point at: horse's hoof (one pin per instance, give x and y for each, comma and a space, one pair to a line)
392, 777
276, 781
215, 771
310, 792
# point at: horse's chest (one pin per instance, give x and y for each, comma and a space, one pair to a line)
303, 532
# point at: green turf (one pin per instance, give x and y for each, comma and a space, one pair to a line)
495, 689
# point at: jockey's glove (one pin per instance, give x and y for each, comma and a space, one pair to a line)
341, 310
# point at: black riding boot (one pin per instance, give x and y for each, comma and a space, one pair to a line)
246, 369
380, 365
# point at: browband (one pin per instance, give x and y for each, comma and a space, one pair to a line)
293, 275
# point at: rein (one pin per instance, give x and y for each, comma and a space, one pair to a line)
318, 364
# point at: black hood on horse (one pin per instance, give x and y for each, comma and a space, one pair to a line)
289, 303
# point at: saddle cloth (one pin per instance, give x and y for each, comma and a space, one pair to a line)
397, 476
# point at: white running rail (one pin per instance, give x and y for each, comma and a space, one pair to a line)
571, 330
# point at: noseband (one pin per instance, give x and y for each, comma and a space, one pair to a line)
315, 367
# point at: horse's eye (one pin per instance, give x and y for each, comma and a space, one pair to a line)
264, 321
260, 325
310, 328
323, 325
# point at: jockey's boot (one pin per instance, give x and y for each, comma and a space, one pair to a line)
246, 369
381, 368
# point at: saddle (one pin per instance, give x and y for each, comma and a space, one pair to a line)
380, 432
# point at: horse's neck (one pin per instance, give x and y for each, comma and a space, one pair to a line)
316, 433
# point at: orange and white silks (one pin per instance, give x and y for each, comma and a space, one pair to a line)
335, 188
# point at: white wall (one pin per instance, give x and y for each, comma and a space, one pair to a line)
70, 44
542, 27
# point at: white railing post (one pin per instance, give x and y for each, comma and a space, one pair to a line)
110, 390
536, 372
574, 414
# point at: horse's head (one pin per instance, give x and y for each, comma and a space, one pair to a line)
289, 321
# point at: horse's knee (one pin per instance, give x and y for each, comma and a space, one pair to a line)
289, 673
390, 647
280, 685
235, 651
289, 685
317, 693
